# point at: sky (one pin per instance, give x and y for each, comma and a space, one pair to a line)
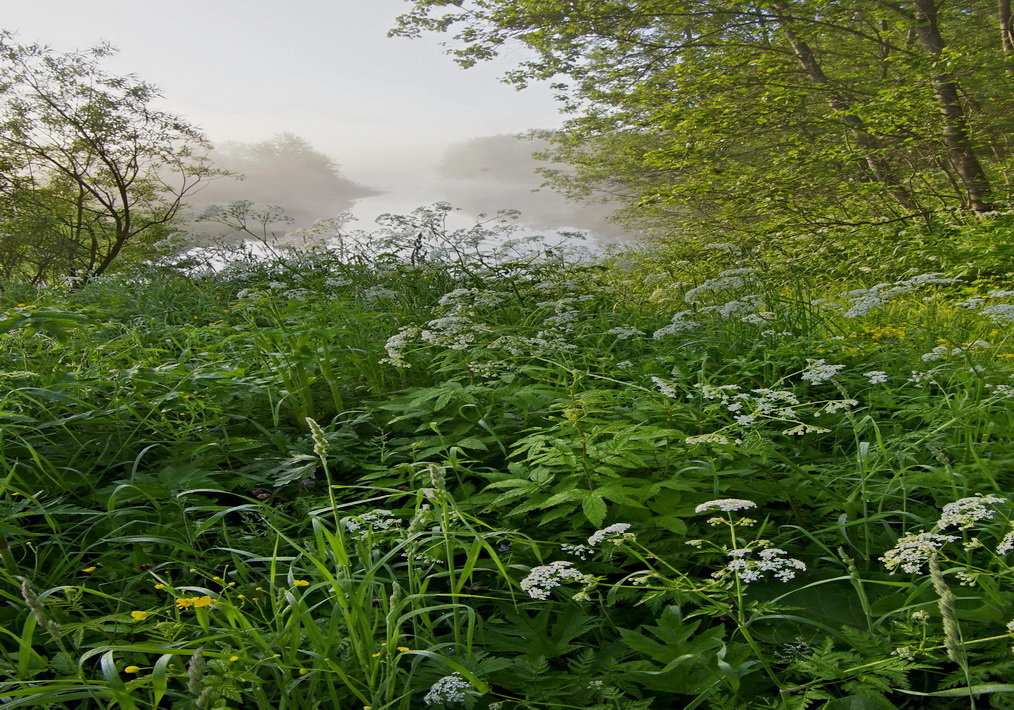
244, 70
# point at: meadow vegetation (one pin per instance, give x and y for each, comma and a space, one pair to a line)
397, 472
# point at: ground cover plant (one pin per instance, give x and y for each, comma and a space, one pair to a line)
396, 472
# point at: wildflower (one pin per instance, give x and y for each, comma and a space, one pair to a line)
542, 579
666, 388
580, 551
359, 526
712, 438
912, 551
966, 512
801, 429
89, 570
159, 586
139, 615
300, 583
771, 560
132, 669
375, 655
921, 616
233, 659
624, 332
449, 689
999, 313
615, 533
403, 649
876, 377
1006, 545
303, 671
725, 504
818, 371
194, 602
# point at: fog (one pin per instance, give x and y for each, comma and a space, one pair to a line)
478, 176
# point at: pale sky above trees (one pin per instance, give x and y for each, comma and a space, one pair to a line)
245, 70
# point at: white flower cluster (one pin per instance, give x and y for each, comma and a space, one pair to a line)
866, 300
615, 533
1006, 544
711, 438
725, 281
582, 552
999, 313
396, 344
818, 371
359, 526
544, 578
666, 388
680, 322
1002, 390
876, 377
966, 512
912, 551
623, 332
451, 688
769, 560
378, 293
725, 504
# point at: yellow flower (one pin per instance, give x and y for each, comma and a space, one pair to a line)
303, 671
139, 615
196, 602
89, 569
132, 669
375, 655
160, 586
404, 649
300, 583
241, 596
233, 658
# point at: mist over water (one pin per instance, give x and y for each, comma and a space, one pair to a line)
480, 176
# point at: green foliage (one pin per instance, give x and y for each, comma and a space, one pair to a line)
639, 481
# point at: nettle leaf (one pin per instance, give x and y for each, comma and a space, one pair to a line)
594, 508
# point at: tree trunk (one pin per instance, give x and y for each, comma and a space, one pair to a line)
960, 151
1006, 30
872, 162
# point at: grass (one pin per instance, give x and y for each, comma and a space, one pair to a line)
323, 478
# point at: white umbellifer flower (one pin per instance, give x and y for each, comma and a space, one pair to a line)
542, 579
624, 332
711, 438
725, 504
1002, 390
1000, 312
580, 551
666, 388
1006, 545
376, 520
912, 551
818, 371
966, 512
876, 377
771, 560
617, 533
451, 688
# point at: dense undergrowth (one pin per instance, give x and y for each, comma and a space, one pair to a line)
393, 480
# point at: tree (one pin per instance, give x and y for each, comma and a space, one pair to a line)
86, 161
762, 116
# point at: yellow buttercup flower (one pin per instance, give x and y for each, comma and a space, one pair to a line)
233, 658
300, 583
89, 569
195, 602
375, 655
159, 586
404, 649
139, 615
132, 669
